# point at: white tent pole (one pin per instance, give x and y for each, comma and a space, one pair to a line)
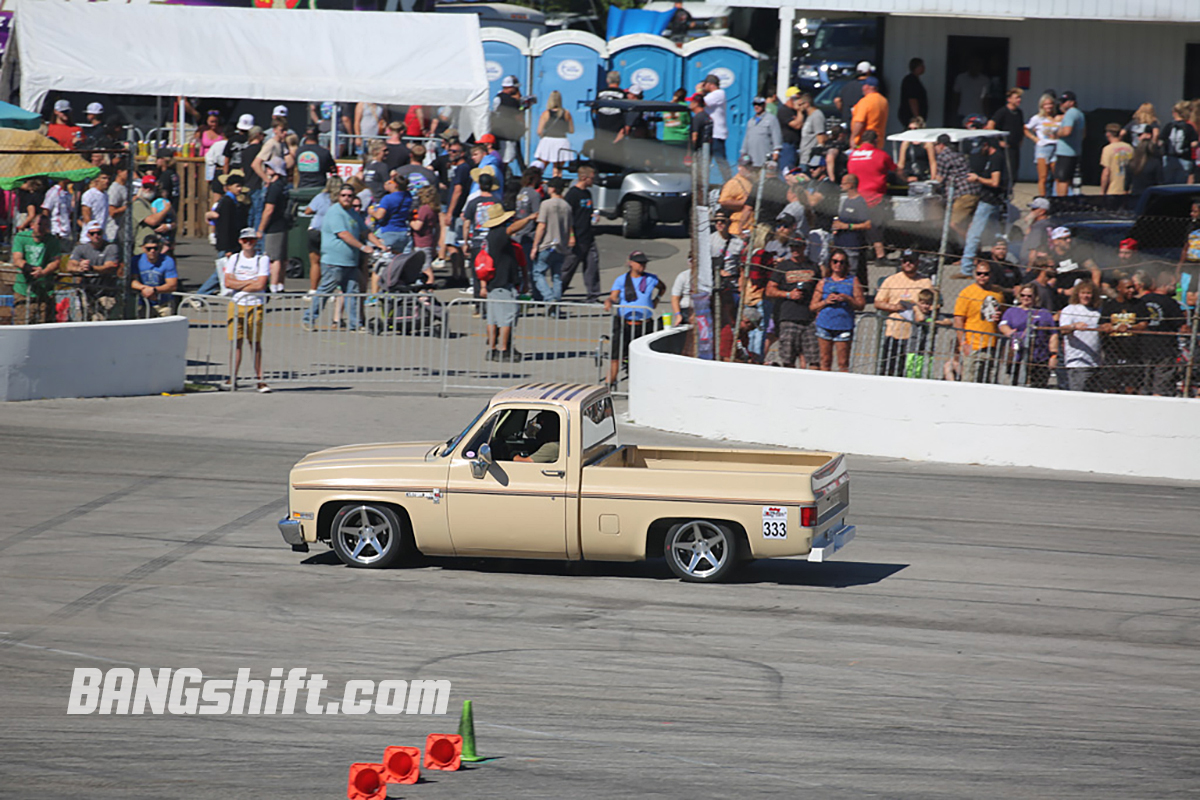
783, 72
334, 124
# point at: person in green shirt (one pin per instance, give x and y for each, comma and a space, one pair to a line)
677, 124
35, 254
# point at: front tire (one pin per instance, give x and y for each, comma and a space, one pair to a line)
701, 551
635, 220
367, 535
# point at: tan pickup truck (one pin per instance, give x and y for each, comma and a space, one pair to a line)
541, 473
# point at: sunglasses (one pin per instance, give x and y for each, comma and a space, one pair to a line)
1023, 295
837, 261
346, 194
93, 233
983, 273
150, 247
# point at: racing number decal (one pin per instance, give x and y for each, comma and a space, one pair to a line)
774, 522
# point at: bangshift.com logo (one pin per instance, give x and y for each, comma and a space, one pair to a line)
186, 691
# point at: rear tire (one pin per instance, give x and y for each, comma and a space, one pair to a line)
702, 551
635, 220
368, 535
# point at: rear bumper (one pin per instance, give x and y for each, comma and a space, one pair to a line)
830, 542
290, 528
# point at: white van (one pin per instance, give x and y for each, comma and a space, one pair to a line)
528, 22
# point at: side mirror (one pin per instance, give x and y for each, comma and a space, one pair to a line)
479, 466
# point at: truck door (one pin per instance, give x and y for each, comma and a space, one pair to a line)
517, 505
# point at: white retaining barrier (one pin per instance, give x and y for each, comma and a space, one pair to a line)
93, 359
925, 420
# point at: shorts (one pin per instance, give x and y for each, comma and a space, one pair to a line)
454, 233
624, 332
246, 322
879, 216
834, 336
314, 240
502, 306
1045, 152
798, 338
963, 209
275, 246
1064, 168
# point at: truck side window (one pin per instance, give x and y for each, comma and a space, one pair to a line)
532, 434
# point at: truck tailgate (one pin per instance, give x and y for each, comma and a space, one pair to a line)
831, 489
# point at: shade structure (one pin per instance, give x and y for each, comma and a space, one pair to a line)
41, 156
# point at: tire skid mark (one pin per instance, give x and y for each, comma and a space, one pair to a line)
86, 508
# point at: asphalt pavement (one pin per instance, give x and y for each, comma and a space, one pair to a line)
991, 632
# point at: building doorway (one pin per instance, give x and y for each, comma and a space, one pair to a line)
976, 77
1191, 71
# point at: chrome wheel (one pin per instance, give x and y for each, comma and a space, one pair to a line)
365, 535
701, 551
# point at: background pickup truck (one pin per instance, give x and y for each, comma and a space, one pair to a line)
1158, 219
540, 473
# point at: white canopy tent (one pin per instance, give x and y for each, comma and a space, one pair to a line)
260, 54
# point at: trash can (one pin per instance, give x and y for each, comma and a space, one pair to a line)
297, 237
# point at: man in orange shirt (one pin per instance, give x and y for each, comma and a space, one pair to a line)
737, 197
870, 113
976, 312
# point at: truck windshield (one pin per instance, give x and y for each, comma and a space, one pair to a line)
452, 442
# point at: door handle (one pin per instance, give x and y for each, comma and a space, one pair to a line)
554, 473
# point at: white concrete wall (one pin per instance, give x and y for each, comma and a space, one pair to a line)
93, 359
914, 419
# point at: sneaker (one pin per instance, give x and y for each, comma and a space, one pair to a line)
310, 293
373, 300
466, 290
308, 326
512, 355
438, 263
492, 355
264, 389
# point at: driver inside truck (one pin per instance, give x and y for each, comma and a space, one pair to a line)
541, 433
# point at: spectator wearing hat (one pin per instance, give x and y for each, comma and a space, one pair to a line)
272, 228
275, 146
898, 293
151, 213
791, 289
635, 124
508, 121
96, 262
239, 140
246, 276
635, 294
95, 132
993, 198
870, 113
914, 100
228, 217
715, 103
344, 239
1071, 264
492, 159
501, 289
1037, 235
154, 276
763, 138
1007, 275
852, 91
165, 174
726, 251
700, 126
61, 129
1068, 143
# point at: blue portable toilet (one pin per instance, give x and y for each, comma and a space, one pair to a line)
652, 62
573, 63
506, 52
736, 64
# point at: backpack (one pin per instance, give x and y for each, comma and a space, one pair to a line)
485, 267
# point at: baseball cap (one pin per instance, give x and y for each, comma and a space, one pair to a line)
245, 122
509, 82
909, 255
62, 105
944, 138
975, 122
248, 233
94, 225
871, 81
487, 138
746, 161
638, 256
1040, 202
149, 180
1068, 95
279, 111
95, 108
864, 68
798, 243
1060, 233
785, 219
759, 101
277, 165
635, 89
234, 176
722, 214
696, 98
151, 239
792, 91
1129, 244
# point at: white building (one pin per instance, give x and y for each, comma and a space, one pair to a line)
1114, 54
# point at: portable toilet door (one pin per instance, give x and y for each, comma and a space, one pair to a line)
735, 63
506, 53
573, 63
652, 62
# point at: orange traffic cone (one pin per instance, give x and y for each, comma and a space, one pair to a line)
401, 764
443, 751
366, 782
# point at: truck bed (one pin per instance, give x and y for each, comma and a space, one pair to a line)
677, 458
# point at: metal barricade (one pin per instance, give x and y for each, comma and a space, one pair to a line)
208, 348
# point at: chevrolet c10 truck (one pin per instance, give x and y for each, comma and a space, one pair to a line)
540, 473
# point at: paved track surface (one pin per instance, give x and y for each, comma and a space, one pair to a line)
992, 633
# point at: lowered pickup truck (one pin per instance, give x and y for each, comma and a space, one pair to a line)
540, 473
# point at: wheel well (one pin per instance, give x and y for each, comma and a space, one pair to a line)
656, 535
327, 511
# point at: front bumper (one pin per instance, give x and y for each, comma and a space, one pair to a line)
290, 528
830, 542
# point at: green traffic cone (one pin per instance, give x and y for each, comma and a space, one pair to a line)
466, 729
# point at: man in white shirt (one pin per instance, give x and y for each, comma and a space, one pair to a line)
970, 88
715, 106
93, 206
246, 276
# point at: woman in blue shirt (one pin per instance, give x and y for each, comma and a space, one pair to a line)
835, 300
634, 294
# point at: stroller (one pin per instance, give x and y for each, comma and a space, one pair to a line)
407, 304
